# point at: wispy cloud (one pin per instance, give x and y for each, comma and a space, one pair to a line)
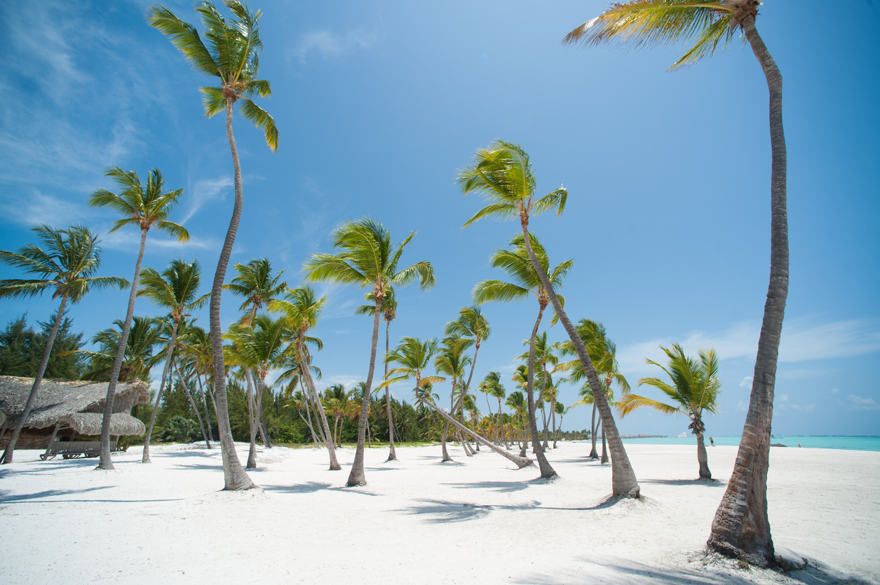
801, 341
127, 240
204, 191
328, 44
38, 208
862, 402
346, 380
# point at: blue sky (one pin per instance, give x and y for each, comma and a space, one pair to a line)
379, 105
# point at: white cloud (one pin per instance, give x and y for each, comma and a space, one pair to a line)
39, 208
835, 390
203, 191
801, 341
346, 380
329, 44
746, 382
127, 240
863, 402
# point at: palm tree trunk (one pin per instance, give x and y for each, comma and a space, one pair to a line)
261, 425
741, 527
623, 478
105, 461
553, 420
169, 356
205, 406
38, 379
604, 447
445, 434
192, 404
329, 440
234, 475
357, 476
518, 461
594, 428
392, 453
547, 471
703, 458
252, 427
546, 420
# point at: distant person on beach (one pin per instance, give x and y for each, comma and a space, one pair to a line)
712, 441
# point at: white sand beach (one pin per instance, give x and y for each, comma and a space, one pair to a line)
477, 520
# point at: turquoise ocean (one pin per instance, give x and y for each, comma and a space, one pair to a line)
855, 443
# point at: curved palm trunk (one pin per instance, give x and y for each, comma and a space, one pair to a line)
252, 447
392, 452
547, 471
594, 428
623, 478
329, 440
192, 404
357, 476
445, 434
553, 421
741, 527
234, 475
703, 458
105, 461
604, 447
38, 380
169, 357
518, 461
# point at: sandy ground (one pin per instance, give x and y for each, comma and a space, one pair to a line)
477, 520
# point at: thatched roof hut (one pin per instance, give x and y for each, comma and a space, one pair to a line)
77, 406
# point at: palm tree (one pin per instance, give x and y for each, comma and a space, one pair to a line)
560, 409
741, 527
259, 286
231, 55
256, 348
693, 387
301, 309
368, 259
471, 324
144, 335
66, 265
546, 364
503, 173
452, 361
413, 356
525, 281
603, 354
389, 313
143, 206
176, 289
492, 386
516, 401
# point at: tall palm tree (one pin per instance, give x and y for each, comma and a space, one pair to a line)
452, 361
256, 348
741, 527
603, 353
232, 56
472, 324
492, 386
526, 281
367, 258
389, 314
301, 309
176, 289
259, 286
516, 402
144, 335
503, 173
65, 265
693, 387
413, 357
546, 364
144, 206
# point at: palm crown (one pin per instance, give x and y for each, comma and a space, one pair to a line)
503, 173
710, 22
492, 385
65, 264
256, 283
139, 204
412, 357
602, 351
140, 355
175, 288
470, 323
369, 260
232, 54
258, 347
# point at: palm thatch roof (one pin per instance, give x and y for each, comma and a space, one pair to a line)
59, 398
89, 423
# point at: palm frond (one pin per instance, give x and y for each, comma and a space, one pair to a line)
262, 120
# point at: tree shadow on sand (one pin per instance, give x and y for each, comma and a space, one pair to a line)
441, 511
40, 497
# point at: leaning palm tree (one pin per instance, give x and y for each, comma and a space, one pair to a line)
741, 527
367, 258
526, 281
176, 289
693, 387
503, 173
65, 265
471, 324
413, 357
145, 207
232, 56
301, 309
389, 313
452, 361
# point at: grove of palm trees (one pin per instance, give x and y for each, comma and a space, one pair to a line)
440, 318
